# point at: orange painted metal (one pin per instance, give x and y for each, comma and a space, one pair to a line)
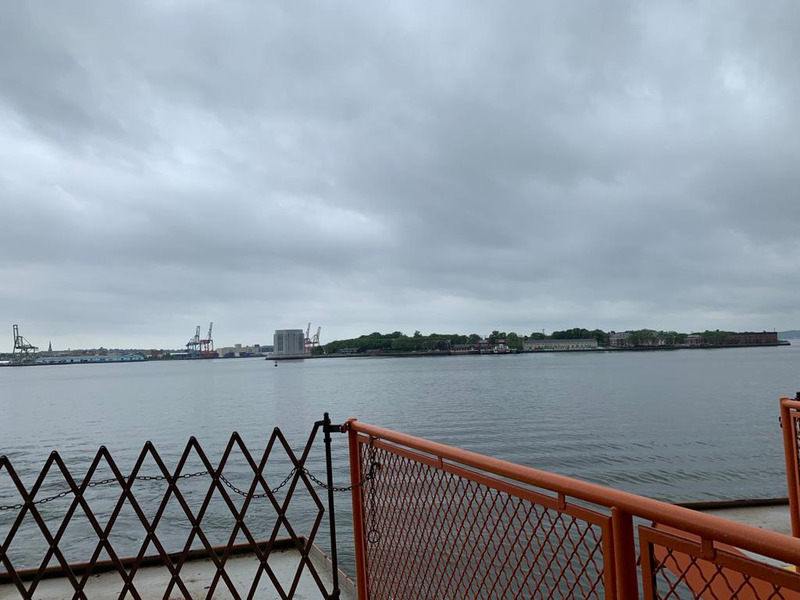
624, 560
736, 534
678, 561
452, 532
789, 415
444, 531
454, 523
358, 518
609, 575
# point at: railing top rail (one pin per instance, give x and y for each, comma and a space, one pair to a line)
768, 543
790, 403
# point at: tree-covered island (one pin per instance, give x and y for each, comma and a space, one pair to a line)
398, 342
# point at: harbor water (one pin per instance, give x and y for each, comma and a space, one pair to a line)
674, 425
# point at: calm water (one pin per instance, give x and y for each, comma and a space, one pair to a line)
683, 425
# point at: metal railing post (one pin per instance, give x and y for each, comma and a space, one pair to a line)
790, 454
624, 555
358, 515
326, 428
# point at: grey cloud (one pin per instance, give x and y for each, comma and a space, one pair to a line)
403, 166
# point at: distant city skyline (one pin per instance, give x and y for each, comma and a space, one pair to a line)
448, 168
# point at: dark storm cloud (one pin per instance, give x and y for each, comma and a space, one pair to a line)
448, 168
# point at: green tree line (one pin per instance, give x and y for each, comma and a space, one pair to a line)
399, 342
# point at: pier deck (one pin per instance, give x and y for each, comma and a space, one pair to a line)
151, 582
772, 517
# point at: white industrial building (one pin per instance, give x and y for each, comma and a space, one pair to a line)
289, 342
240, 351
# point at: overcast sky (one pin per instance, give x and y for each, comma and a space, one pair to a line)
447, 167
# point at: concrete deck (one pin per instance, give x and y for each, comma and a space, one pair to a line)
771, 514
771, 518
151, 582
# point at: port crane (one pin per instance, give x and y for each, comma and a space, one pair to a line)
23, 350
193, 345
207, 345
311, 342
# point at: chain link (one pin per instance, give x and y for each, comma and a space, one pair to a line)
241, 492
373, 534
368, 477
99, 483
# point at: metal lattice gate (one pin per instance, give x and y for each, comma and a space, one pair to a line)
227, 508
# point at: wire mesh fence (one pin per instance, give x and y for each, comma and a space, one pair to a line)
441, 523
678, 566
435, 533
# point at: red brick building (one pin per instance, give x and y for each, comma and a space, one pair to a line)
752, 338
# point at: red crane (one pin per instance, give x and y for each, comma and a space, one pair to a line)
311, 342
207, 345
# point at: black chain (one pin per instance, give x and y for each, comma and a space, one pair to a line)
368, 477
373, 467
241, 492
101, 482
373, 535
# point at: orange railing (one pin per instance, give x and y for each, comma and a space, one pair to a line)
790, 423
440, 522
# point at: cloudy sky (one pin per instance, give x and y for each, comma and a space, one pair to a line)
447, 167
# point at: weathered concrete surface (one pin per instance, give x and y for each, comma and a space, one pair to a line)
772, 518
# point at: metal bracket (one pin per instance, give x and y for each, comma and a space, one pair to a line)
328, 427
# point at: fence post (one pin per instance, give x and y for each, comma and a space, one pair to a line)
624, 555
358, 515
790, 454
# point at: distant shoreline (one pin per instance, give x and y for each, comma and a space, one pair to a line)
422, 354
548, 351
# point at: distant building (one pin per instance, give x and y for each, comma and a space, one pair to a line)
618, 340
752, 338
289, 342
239, 351
480, 347
531, 345
485, 346
693, 340
465, 348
